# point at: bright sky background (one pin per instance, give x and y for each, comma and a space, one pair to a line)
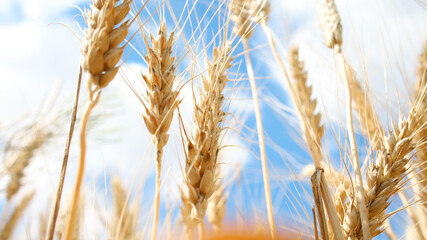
38, 50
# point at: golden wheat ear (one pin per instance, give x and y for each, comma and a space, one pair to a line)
162, 100
100, 54
203, 146
101, 51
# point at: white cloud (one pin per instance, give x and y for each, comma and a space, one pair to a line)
46, 10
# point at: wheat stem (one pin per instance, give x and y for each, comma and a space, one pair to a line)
159, 155
202, 230
360, 192
261, 141
57, 201
81, 169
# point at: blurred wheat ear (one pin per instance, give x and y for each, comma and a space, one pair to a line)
7, 230
125, 220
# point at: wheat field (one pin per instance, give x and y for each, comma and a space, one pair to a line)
224, 119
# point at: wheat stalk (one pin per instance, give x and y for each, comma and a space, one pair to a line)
203, 146
244, 13
162, 100
101, 53
330, 22
57, 201
7, 230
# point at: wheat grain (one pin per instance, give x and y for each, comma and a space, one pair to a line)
203, 146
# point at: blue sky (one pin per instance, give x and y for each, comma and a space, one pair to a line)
381, 40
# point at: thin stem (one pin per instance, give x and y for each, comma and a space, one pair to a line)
202, 230
318, 204
57, 201
159, 155
261, 141
189, 232
360, 192
81, 169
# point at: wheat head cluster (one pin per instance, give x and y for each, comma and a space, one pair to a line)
385, 166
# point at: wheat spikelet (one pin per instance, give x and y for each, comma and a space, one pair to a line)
330, 21
217, 204
202, 148
7, 230
18, 157
124, 222
383, 178
162, 100
310, 122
